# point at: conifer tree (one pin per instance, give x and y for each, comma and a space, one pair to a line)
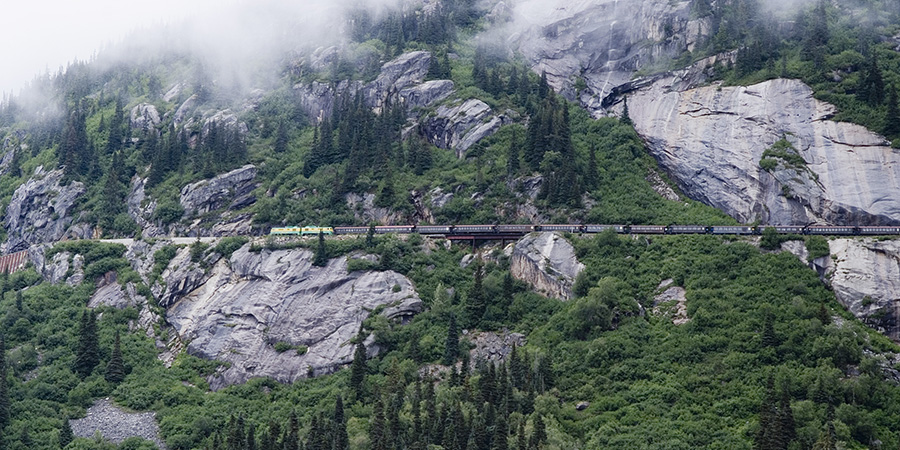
4, 388
65, 434
281, 138
88, 354
892, 117
376, 430
626, 117
115, 369
358, 367
451, 345
475, 301
341, 439
512, 156
321, 257
538, 434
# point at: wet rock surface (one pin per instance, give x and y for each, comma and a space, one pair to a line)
247, 305
39, 211
711, 139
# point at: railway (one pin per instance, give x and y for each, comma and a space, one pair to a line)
513, 231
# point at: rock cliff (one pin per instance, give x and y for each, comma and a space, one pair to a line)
865, 276
273, 314
547, 262
39, 211
711, 139
604, 41
455, 127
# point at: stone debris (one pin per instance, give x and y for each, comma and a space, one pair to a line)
116, 425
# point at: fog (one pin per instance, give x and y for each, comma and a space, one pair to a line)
42, 36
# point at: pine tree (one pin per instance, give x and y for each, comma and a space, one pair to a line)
115, 370
88, 354
4, 387
376, 430
358, 367
451, 344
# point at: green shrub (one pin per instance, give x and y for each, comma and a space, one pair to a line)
229, 245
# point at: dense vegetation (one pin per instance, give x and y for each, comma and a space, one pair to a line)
767, 356
768, 359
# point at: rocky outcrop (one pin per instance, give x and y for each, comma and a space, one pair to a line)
39, 211
425, 94
671, 301
461, 125
547, 262
141, 208
711, 140
493, 347
865, 276
144, 117
603, 41
233, 189
273, 314
365, 211
407, 70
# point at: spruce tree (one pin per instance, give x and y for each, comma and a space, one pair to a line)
341, 439
65, 434
512, 156
451, 344
538, 433
88, 354
892, 118
115, 369
358, 367
4, 387
626, 117
321, 257
475, 300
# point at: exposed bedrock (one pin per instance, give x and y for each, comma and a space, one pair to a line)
711, 139
547, 262
273, 314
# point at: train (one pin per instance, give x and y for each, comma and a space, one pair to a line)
504, 230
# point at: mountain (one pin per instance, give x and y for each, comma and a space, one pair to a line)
142, 189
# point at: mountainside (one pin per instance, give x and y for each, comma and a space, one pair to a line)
142, 190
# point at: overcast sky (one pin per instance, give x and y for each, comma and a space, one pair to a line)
41, 35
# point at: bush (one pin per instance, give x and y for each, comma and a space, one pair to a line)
229, 245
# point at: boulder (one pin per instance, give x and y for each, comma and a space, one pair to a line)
547, 262
671, 301
209, 195
225, 120
254, 301
144, 117
711, 139
39, 210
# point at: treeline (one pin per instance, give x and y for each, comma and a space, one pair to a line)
490, 406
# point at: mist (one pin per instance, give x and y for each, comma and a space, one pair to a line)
235, 40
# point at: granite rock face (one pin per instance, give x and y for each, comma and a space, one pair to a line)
711, 140
250, 303
865, 276
603, 41
547, 262
425, 94
144, 117
230, 188
39, 211
459, 126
